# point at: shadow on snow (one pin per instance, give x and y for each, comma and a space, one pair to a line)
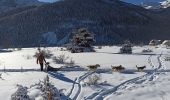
61, 77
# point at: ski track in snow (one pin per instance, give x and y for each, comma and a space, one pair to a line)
79, 86
132, 83
71, 91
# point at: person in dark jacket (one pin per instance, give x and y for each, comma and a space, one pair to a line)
41, 60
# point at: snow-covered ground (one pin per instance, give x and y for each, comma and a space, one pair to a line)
152, 84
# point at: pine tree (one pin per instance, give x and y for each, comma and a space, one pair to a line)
82, 41
126, 48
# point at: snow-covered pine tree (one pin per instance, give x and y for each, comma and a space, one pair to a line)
50, 92
82, 41
126, 48
20, 94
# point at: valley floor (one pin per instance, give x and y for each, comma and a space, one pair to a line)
19, 67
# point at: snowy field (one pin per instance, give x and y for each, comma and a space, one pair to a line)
19, 68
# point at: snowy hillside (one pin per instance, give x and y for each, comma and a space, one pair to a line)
77, 83
150, 3
165, 4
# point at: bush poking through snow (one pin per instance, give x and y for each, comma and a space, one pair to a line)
4, 69
99, 47
46, 53
167, 58
147, 50
36, 54
28, 57
61, 59
19, 49
0, 75
93, 79
71, 63
48, 91
20, 94
63, 49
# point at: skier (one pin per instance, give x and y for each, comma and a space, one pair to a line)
41, 60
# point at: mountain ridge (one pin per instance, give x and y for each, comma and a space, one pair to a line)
7, 5
112, 22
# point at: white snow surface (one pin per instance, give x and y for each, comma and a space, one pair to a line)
151, 84
153, 4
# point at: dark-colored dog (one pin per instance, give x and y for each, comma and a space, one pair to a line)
93, 67
118, 68
140, 68
49, 68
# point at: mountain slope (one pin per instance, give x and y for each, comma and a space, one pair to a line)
6, 5
111, 20
51, 1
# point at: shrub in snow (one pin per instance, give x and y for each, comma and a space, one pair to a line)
167, 58
28, 57
93, 79
19, 49
46, 53
51, 92
71, 62
146, 50
48, 91
20, 94
36, 54
62, 49
4, 69
1, 76
61, 59
99, 47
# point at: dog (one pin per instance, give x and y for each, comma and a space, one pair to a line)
93, 67
118, 68
140, 68
49, 68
